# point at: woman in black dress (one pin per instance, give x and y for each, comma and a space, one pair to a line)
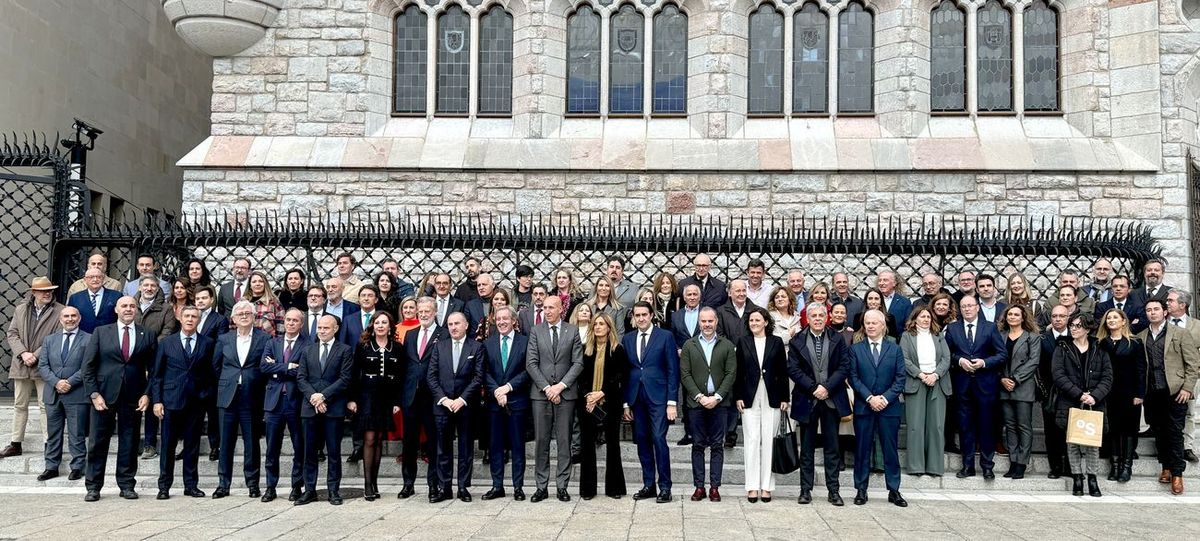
293, 294
600, 408
1128, 358
197, 272
378, 378
389, 294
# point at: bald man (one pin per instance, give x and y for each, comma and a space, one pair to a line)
98, 262
713, 292
96, 304
324, 380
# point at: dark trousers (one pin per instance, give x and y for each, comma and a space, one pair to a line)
123, 418
1018, 430
288, 415
1166, 417
507, 434
1056, 440
176, 425
952, 431
212, 426
242, 413
448, 425
650, 435
868, 427
590, 430
827, 419
322, 430
416, 417
150, 432
708, 432
72, 418
976, 420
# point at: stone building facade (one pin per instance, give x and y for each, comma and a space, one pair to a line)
302, 118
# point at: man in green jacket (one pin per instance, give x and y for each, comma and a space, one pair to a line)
706, 370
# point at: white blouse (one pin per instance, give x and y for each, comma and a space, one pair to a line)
760, 344
785, 325
926, 351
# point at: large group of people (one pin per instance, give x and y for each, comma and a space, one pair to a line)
447, 367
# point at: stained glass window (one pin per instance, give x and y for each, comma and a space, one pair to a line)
994, 36
411, 27
1041, 57
583, 61
948, 58
856, 56
810, 60
495, 61
626, 61
765, 92
670, 61
453, 61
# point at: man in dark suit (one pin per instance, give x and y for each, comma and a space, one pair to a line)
352, 327
977, 355
212, 325
240, 396
342, 309
931, 285
1056, 437
554, 360
819, 364
650, 398
712, 291
233, 290
315, 300
182, 378
896, 304
731, 324
324, 378
96, 304
1152, 283
114, 378
506, 390
685, 322
469, 289
454, 376
990, 306
707, 367
1121, 300
281, 403
444, 303
478, 308
877, 374
60, 365
416, 402
842, 295
533, 314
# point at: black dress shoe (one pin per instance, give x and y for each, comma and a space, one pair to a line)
405, 492
214, 454
539, 495
92, 496
335, 498
1190, 456
989, 475
663, 497
321, 455
75, 475
255, 492
894, 497
965, 473
685, 440
492, 494
644, 494
355, 455
306, 498
435, 495
836, 499
563, 496
47, 475
464, 496
731, 440
163, 495
860, 498
805, 498
129, 494
518, 495
269, 496
193, 493
220, 493
295, 494
588, 497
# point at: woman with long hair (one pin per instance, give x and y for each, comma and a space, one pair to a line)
646, 295
927, 360
1018, 390
499, 298
761, 390
1020, 292
604, 301
389, 293
294, 292
181, 296
268, 313
945, 310
666, 298
378, 378
566, 289
1083, 376
784, 314
819, 292
601, 407
1128, 357
873, 300
581, 317
197, 272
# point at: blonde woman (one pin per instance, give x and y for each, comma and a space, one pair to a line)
601, 407
268, 313
604, 301
581, 317
783, 313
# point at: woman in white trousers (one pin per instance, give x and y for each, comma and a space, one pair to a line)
761, 389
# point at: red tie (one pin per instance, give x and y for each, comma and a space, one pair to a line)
287, 352
237, 291
424, 342
125, 344
538, 319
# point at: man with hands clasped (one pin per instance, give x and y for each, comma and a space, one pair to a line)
326, 368
454, 376
706, 370
977, 354
650, 395
181, 381
554, 361
878, 375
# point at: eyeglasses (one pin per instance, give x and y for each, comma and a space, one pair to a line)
315, 296
1076, 325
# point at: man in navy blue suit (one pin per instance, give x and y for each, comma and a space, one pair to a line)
342, 309
454, 376
819, 364
326, 369
212, 325
415, 401
650, 399
240, 396
1123, 301
506, 390
281, 403
182, 378
877, 374
96, 304
977, 353
990, 305
896, 304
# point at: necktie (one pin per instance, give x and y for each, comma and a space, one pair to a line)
287, 352
554, 337
1120, 306
1150, 292
971, 333
312, 331
187, 345
875, 351
424, 342
125, 344
1176, 321
96, 303
537, 317
504, 353
642, 348
818, 345
237, 292
366, 319
324, 355
66, 345
442, 310
457, 352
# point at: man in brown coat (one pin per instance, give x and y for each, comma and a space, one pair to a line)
32, 321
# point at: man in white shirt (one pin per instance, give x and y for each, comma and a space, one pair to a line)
240, 397
758, 289
351, 284
1178, 302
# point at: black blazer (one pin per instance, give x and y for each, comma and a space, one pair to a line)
414, 379
281, 381
445, 382
494, 375
229, 368
106, 372
333, 382
178, 377
773, 370
215, 325
837, 372
1134, 309
612, 385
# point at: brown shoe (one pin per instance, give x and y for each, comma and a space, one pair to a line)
698, 494
1177, 485
1165, 477
13, 449
714, 495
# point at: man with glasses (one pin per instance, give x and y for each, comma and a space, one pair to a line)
238, 286
444, 303
713, 292
315, 299
1056, 436
240, 397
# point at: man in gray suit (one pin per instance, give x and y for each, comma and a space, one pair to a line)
624, 290
554, 360
60, 365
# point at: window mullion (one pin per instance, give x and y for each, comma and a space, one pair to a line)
832, 96
473, 67
605, 58
972, 60
1018, 58
648, 65
788, 51
431, 66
